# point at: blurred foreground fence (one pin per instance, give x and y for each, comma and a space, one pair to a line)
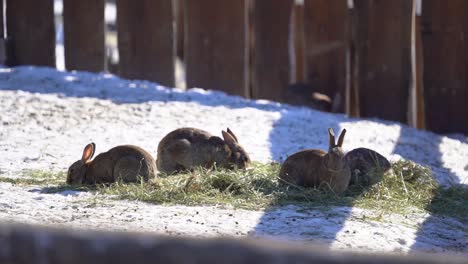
376, 58
28, 244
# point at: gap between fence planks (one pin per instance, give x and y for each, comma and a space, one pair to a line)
84, 33
216, 45
30, 24
146, 40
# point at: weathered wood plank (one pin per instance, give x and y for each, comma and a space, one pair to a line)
271, 67
84, 29
383, 50
146, 40
30, 24
445, 30
216, 47
326, 43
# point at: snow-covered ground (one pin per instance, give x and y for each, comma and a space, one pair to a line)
48, 116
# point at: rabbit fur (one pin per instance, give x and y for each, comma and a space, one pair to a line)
186, 148
126, 162
314, 167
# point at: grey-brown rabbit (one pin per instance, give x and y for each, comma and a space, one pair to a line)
186, 148
314, 167
126, 162
363, 161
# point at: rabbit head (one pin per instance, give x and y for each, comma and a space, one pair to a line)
239, 157
77, 171
334, 159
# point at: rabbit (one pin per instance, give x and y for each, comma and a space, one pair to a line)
125, 162
313, 167
186, 148
361, 161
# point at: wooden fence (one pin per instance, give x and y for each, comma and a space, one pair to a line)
377, 59
39, 244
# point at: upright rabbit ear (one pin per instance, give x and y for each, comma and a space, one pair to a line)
228, 138
88, 152
341, 138
232, 134
331, 135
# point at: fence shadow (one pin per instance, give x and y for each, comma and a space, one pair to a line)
408, 146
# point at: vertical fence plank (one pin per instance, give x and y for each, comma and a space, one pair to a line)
216, 51
146, 41
383, 50
326, 31
271, 67
445, 31
83, 23
30, 24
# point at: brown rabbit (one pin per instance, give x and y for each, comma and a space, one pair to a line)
122, 162
313, 167
185, 148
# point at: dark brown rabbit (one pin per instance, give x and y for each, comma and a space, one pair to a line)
315, 167
186, 148
127, 163
367, 166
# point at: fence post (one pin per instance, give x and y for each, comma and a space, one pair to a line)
326, 40
30, 24
444, 37
84, 29
271, 64
383, 50
146, 40
216, 45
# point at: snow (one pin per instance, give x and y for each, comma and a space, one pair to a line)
48, 116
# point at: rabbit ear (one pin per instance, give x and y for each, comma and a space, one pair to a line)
341, 138
88, 152
232, 134
331, 135
228, 138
